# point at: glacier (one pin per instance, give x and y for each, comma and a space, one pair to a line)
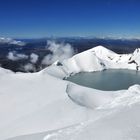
43, 106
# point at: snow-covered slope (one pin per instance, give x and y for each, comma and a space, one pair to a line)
11, 41
42, 106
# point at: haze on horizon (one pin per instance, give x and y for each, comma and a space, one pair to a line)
42, 18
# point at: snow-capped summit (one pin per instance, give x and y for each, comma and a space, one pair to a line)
11, 41
97, 59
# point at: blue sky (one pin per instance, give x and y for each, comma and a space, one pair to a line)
42, 18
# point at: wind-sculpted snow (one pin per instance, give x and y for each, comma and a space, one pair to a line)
87, 97
42, 106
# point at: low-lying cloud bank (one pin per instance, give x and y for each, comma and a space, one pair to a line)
34, 58
29, 67
34, 61
14, 56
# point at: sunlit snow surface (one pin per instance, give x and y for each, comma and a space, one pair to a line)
42, 106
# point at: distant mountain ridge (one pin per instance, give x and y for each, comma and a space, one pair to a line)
11, 41
39, 47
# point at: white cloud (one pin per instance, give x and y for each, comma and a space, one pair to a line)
29, 67
14, 56
34, 58
59, 52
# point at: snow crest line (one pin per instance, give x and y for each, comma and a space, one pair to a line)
73, 99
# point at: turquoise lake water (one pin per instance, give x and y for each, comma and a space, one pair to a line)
107, 79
